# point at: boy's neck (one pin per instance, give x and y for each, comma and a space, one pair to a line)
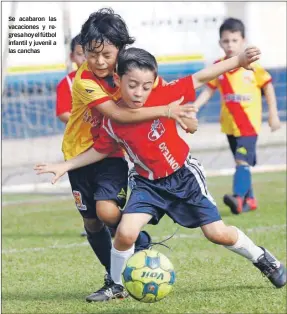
121, 103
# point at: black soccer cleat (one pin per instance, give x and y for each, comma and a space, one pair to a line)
271, 268
235, 203
109, 291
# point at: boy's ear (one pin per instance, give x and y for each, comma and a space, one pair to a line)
71, 57
116, 79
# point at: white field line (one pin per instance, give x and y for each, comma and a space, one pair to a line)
177, 236
64, 186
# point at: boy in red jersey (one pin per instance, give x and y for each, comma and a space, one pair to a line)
99, 189
64, 88
241, 113
166, 180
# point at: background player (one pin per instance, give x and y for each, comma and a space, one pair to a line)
241, 113
64, 88
167, 180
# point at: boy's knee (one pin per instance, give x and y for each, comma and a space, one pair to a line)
108, 212
126, 236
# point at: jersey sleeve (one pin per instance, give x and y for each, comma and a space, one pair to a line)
105, 144
63, 98
261, 75
89, 92
175, 89
213, 84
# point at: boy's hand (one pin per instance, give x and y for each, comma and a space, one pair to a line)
248, 56
274, 122
177, 112
57, 169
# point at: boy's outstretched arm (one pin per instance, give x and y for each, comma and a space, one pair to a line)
172, 110
59, 169
244, 59
273, 119
203, 97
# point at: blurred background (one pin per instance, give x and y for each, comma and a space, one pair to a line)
184, 38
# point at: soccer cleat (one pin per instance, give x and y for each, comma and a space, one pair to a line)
143, 241
235, 203
251, 203
271, 268
109, 291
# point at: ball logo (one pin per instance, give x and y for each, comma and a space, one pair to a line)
152, 274
157, 130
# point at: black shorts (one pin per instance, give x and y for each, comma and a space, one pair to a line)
103, 180
183, 196
243, 148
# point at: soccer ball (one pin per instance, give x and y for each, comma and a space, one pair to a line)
148, 276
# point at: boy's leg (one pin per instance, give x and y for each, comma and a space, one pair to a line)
196, 208
238, 242
243, 149
123, 246
112, 180
82, 184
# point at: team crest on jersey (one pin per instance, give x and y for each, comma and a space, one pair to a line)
157, 130
248, 77
78, 200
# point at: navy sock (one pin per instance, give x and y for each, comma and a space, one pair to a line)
101, 244
241, 180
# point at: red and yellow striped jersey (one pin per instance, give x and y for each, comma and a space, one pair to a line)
88, 91
241, 100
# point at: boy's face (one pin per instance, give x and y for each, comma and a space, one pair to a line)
136, 85
78, 56
232, 43
102, 59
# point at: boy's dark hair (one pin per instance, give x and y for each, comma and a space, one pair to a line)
75, 41
135, 58
105, 25
232, 25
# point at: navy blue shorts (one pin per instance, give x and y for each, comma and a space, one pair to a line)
103, 180
183, 196
243, 148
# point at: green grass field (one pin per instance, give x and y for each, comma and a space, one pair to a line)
48, 268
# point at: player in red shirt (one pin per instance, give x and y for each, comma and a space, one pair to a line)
64, 88
167, 179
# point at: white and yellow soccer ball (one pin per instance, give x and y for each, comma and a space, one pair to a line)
148, 276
